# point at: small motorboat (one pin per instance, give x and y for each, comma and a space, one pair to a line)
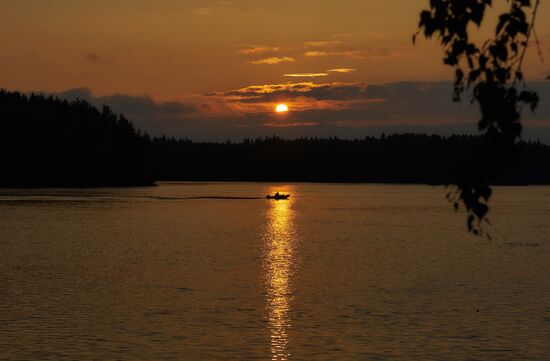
277, 196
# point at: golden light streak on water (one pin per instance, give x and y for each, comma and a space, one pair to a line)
279, 246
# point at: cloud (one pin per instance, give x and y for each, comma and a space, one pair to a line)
273, 60
342, 45
306, 75
356, 105
291, 124
361, 105
146, 113
93, 57
143, 105
321, 44
127, 104
73, 94
380, 52
341, 70
211, 7
323, 91
258, 50
352, 110
345, 109
319, 75
343, 35
300, 97
203, 11
354, 54
317, 53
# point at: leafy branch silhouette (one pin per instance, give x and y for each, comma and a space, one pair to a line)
493, 74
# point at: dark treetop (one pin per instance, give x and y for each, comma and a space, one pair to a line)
51, 142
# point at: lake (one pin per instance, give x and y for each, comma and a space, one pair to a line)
338, 272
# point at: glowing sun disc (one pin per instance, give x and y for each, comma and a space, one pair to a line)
281, 108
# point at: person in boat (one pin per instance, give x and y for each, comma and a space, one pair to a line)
278, 196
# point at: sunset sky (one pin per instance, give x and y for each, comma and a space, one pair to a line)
210, 69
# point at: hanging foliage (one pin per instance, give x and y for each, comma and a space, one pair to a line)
491, 73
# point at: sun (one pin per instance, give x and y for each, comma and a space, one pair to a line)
281, 108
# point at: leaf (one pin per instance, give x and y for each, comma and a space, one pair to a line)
502, 53
483, 124
480, 210
477, 13
474, 75
427, 23
504, 19
471, 49
523, 28
519, 75
459, 76
535, 102
450, 59
482, 62
470, 222
502, 75
486, 193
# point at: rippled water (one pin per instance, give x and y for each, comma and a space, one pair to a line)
339, 272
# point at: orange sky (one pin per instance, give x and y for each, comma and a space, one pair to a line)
174, 50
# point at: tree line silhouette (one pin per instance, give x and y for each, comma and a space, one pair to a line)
398, 158
46, 141
51, 142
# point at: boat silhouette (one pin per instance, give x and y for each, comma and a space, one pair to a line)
277, 196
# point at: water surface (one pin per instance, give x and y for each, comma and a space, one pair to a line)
364, 272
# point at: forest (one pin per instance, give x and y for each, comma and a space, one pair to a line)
48, 142
398, 158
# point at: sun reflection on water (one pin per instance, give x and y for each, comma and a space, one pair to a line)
279, 240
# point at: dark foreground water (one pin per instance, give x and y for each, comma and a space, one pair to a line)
339, 272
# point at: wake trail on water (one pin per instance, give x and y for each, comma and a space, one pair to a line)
102, 198
203, 197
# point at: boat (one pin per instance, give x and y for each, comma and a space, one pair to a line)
277, 196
